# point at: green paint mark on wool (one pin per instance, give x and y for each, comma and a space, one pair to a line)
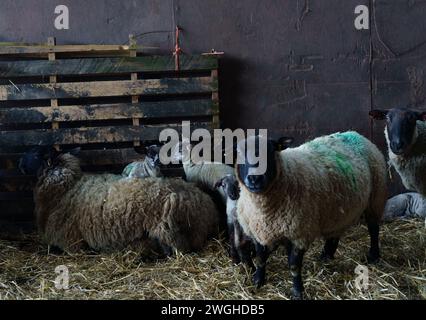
353, 140
128, 169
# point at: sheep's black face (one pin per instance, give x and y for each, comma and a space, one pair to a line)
230, 186
33, 161
400, 127
258, 182
153, 154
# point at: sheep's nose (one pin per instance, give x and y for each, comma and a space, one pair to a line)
397, 146
254, 180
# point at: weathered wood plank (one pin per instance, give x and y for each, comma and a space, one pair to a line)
15, 69
160, 109
16, 48
66, 136
107, 88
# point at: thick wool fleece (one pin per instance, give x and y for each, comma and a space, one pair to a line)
106, 212
412, 166
321, 188
206, 175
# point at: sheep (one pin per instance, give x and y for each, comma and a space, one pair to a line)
405, 134
240, 244
149, 167
405, 205
76, 210
207, 174
316, 190
204, 174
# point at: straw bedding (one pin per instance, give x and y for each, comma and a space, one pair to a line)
27, 271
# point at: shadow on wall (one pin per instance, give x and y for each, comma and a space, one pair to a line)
230, 88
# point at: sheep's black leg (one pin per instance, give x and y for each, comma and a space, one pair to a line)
374, 253
295, 261
233, 250
329, 249
246, 253
262, 254
243, 246
289, 247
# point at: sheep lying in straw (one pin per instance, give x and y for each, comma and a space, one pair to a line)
405, 205
105, 212
316, 190
149, 167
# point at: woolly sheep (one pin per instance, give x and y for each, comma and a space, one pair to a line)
316, 190
405, 134
149, 167
240, 244
406, 205
106, 212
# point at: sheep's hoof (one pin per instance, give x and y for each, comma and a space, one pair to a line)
373, 257
296, 294
259, 278
325, 257
235, 258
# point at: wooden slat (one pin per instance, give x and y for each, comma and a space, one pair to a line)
160, 109
16, 48
85, 135
107, 88
15, 69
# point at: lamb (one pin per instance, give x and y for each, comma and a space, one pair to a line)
206, 174
149, 167
76, 210
405, 134
240, 244
316, 190
405, 205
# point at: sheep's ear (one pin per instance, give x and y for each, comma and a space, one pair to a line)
421, 116
285, 142
219, 184
75, 152
378, 114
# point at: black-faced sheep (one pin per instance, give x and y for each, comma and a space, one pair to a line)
240, 244
405, 134
149, 167
316, 190
105, 212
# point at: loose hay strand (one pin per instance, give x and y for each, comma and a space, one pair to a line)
27, 271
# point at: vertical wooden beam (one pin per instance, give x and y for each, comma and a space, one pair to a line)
134, 77
53, 79
215, 99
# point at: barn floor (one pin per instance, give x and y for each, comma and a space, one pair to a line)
27, 272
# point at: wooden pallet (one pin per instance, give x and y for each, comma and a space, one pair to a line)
105, 98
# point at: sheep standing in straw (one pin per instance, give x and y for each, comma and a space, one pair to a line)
316, 190
106, 212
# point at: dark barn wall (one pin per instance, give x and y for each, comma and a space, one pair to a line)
296, 67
